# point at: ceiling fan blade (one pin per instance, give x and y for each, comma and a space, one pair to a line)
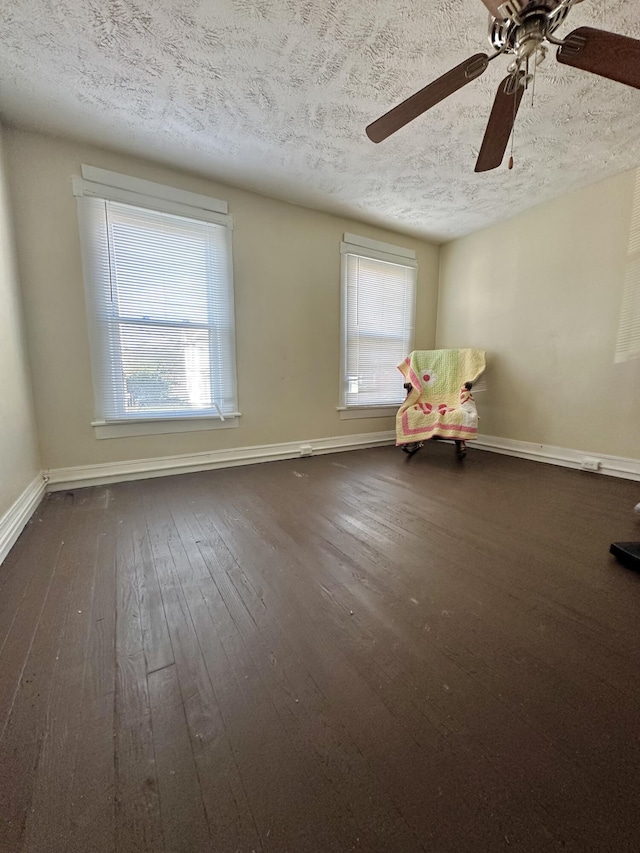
428, 97
494, 8
603, 53
501, 121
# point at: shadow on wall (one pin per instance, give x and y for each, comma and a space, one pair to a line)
507, 399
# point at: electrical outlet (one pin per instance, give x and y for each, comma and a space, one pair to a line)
306, 450
590, 463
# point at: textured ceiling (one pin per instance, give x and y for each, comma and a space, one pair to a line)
274, 95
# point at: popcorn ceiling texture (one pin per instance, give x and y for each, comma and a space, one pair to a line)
274, 95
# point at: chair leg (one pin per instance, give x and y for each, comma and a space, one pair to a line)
412, 447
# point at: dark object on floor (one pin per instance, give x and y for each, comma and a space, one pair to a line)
628, 553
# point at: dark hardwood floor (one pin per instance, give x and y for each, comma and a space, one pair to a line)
347, 652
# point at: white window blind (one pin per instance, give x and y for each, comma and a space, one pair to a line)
161, 316
378, 292
628, 343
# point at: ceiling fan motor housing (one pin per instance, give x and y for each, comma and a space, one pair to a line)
529, 36
525, 21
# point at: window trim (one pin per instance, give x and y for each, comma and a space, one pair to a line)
112, 186
100, 183
163, 426
349, 413
353, 244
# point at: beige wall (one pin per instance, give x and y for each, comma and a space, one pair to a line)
542, 294
19, 462
287, 290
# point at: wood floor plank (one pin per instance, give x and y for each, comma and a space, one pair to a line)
196, 717
53, 810
26, 583
94, 784
21, 564
184, 822
158, 649
33, 655
137, 804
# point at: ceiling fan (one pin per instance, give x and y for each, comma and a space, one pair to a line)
521, 28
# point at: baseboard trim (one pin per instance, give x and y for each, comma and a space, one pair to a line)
139, 469
12, 523
611, 466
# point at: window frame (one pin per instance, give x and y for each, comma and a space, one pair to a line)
146, 195
364, 247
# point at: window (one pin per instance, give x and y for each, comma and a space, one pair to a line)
378, 312
158, 276
628, 343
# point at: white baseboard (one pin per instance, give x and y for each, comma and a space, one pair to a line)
15, 518
139, 469
612, 466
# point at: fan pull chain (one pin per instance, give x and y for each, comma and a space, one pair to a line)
513, 126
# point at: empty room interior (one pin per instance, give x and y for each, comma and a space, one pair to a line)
319, 426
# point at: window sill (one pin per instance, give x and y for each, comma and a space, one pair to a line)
354, 412
160, 426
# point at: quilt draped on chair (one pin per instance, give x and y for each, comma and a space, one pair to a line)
438, 403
